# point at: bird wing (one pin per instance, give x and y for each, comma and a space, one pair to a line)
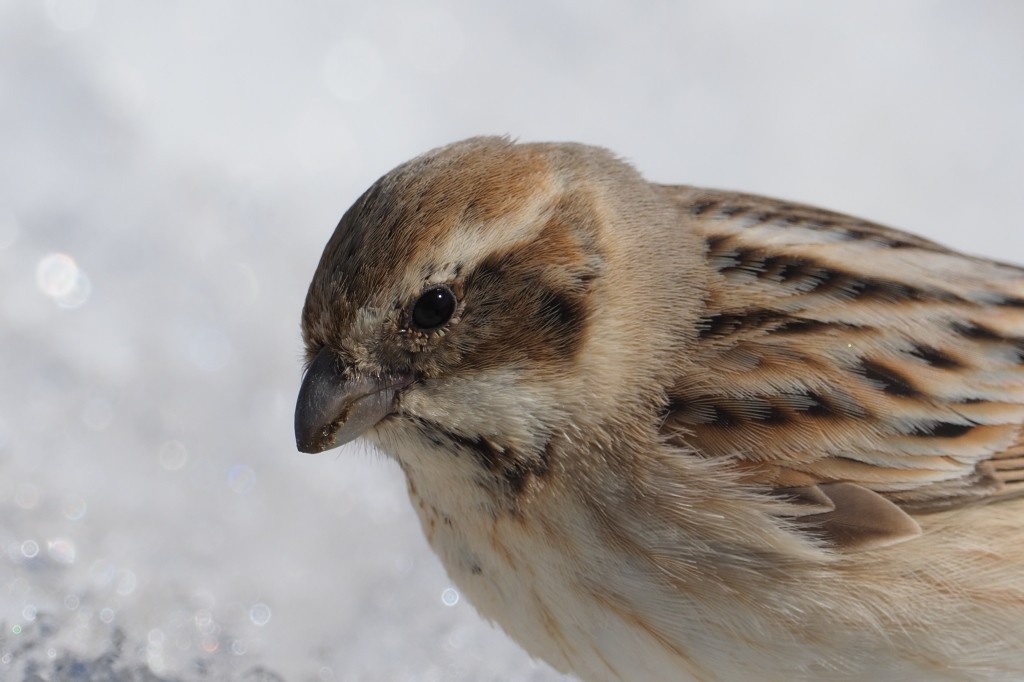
839, 355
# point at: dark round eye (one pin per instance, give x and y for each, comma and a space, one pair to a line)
434, 307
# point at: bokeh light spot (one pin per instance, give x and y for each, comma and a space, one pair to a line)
60, 278
204, 621
259, 614
404, 564
241, 479
56, 274
450, 597
74, 507
126, 582
173, 455
61, 550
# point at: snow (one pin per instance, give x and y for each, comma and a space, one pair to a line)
169, 173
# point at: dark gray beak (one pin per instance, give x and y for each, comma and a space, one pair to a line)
333, 410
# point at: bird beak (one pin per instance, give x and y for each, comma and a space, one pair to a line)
333, 409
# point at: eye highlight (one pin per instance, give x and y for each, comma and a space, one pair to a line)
433, 308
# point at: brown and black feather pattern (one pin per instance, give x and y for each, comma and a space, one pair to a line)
843, 351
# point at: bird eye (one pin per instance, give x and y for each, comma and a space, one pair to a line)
434, 307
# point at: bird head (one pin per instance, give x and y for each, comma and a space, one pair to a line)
496, 292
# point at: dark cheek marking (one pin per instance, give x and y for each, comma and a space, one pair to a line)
563, 311
516, 476
512, 469
520, 470
485, 452
563, 316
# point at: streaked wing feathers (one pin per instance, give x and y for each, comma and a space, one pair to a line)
843, 351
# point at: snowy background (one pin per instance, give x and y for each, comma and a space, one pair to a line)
169, 172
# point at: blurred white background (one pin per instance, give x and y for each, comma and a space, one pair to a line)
169, 172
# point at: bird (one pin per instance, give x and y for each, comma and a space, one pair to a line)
660, 432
